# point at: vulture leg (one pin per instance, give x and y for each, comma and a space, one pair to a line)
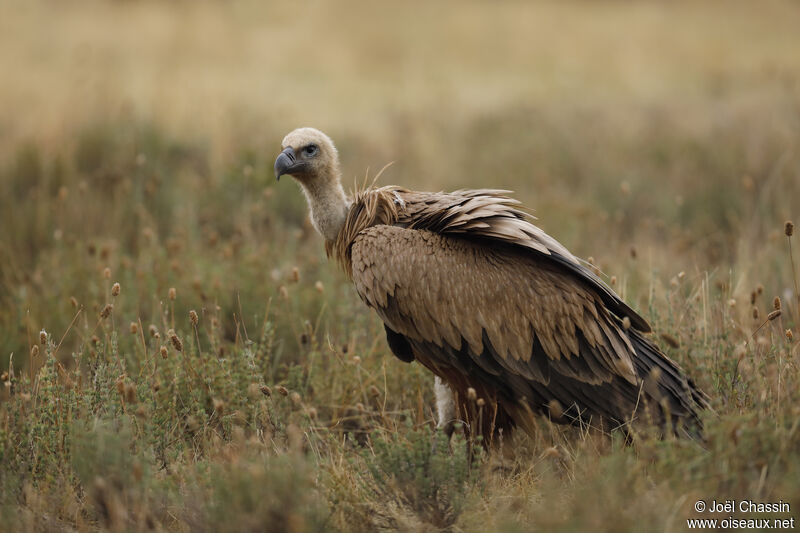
445, 406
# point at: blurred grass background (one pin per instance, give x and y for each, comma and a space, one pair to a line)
658, 138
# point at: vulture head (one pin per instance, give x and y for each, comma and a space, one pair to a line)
309, 156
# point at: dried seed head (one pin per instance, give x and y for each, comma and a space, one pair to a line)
176, 342
481, 402
755, 313
555, 409
134, 328
613, 280
266, 391
95, 340
173, 293
669, 339
283, 391
312, 413
107, 273
295, 275
760, 289
776, 303
295, 398
788, 228
773, 315
130, 393
34, 351
219, 406
120, 383
356, 360
164, 352
73, 301
106, 311
374, 392
732, 302
471, 394
115, 288
626, 323
284, 292
43, 336
753, 296
153, 330
593, 265
193, 317
789, 335
681, 275
320, 287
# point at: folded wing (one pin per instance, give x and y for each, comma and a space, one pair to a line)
442, 290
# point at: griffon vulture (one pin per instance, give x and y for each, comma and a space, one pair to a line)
493, 306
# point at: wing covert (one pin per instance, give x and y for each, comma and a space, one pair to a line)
490, 214
531, 317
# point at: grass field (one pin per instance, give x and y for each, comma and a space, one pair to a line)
178, 354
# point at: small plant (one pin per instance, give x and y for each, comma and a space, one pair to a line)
257, 493
425, 471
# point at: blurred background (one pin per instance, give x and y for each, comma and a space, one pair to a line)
655, 137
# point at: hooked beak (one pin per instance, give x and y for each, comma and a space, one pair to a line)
285, 162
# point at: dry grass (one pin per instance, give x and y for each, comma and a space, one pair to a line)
184, 357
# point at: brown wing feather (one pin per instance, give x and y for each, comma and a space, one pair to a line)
491, 214
483, 214
442, 290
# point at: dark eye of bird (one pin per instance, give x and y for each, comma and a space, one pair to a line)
310, 150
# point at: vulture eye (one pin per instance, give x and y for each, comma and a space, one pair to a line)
310, 150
